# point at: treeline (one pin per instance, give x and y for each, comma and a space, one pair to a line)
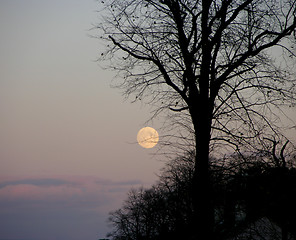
246, 189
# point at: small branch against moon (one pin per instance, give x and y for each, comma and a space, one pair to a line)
147, 137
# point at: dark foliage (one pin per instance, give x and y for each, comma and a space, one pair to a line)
256, 189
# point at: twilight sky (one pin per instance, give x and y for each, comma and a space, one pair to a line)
67, 140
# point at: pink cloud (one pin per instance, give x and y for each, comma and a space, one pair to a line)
88, 191
31, 192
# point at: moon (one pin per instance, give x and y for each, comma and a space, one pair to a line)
147, 137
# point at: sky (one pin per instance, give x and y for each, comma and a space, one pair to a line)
68, 152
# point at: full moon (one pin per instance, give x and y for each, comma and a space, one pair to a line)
147, 137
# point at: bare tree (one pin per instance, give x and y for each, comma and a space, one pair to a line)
227, 64
254, 198
163, 211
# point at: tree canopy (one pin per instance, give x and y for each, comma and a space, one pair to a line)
226, 66
224, 54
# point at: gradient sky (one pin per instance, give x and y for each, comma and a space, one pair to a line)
67, 140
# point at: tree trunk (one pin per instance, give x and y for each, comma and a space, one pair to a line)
284, 232
201, 113
202, 186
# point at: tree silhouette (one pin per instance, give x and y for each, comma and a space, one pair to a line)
255, 196
211, 60
163, 211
